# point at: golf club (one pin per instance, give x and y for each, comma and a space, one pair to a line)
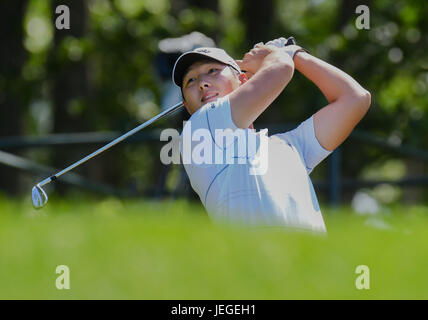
39, 196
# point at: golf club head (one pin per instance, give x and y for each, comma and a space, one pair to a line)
39, 197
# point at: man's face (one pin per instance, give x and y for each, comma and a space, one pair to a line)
206, 81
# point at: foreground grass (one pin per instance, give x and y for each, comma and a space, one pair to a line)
170, 250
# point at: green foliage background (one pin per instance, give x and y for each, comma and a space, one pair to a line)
119, 47
169, 250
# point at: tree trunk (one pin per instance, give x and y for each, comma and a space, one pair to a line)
12, 87
69, 86
258, 17
346, 11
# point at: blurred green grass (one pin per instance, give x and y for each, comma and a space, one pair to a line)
170, 250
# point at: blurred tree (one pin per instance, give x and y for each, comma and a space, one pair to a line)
69, 72
68, 75
13, 97
258, 17
346, 11
389, 60
102, 76
197, 15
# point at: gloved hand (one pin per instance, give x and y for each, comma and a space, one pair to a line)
289, 45
253, 59
280, 42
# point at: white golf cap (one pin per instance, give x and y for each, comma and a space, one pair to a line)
188, 58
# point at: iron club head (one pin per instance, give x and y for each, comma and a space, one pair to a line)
39, 197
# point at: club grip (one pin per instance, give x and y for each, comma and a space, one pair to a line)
290, 41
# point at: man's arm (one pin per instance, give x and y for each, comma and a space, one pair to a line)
273, 70
348, 101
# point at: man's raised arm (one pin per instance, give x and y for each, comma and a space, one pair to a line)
273, 70
348, 101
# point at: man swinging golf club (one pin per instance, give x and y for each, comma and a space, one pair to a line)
219, 96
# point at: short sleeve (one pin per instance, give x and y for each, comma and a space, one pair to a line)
304, 140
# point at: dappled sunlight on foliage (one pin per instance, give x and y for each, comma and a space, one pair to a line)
120, 82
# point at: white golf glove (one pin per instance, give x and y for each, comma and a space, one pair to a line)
290, 49
280, 42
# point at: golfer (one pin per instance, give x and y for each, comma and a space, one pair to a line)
219, 96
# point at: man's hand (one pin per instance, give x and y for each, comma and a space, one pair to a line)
280, 42
289, 45
253, 59
273, 69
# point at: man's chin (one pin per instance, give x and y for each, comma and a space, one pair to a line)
210, 100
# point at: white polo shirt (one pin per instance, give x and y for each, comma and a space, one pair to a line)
280, 193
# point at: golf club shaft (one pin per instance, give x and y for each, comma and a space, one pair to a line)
114, 142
